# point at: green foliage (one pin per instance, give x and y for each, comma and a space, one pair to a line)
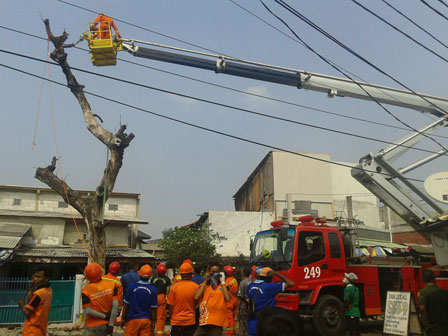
188, 242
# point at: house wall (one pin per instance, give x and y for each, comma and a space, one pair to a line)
46, 200
117, 234
43, 232
364, 203
258, 192
237, 227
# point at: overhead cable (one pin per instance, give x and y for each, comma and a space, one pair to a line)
109, 99
313, 25
221, 104
241, 91
400, 31
414, 23
434, 9
143, 28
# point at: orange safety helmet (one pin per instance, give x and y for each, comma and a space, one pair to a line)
161, 269
145, 271
114, 267
186, 268
93, 272
188, 261
229, 270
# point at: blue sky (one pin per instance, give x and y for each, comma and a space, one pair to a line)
181, 171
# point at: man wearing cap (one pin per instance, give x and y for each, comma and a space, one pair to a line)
162, 283
262, 291
99, 301
351, 303
232, 286
140, 305
178, 277
114, 268
182, 304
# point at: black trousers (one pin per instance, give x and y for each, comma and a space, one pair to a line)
183, 330
352, 325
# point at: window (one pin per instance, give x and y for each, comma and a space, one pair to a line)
17, 201
311, 247
270, 247
113, 207
62, 204
335, 247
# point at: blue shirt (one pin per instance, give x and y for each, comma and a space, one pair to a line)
128, 278
198, 279
264, 296
141, 297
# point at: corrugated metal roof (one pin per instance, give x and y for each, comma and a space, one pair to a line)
79, 252
51, 214
9, 242
13, 229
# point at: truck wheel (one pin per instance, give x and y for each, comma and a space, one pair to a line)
328, 317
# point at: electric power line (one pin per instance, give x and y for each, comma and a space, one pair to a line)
414, 23
332, 38
236, 90
390, 113
434, 9
222, 104
400, 31
115, 101
443, 3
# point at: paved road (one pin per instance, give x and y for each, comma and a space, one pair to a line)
368, 328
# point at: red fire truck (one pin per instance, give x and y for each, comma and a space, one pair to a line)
316, 256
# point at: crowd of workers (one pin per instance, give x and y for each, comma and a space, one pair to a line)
201, 306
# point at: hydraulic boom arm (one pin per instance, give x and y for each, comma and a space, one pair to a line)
375, 171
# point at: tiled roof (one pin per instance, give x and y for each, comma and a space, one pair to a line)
13, 229
10, 236
79, 252
52, 214
9, 242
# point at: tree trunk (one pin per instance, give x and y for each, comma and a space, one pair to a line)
90, 207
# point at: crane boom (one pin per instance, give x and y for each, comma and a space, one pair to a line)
333, 86
374, 171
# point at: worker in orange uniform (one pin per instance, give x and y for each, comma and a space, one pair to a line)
114, 268
99, 301
37, 309
162, 283
232, 286
106, 23
181, 303
178, 277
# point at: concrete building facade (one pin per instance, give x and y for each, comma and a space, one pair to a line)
313, 186
46, 229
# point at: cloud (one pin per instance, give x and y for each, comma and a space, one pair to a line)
257, 102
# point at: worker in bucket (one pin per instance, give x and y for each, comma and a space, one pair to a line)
351, 303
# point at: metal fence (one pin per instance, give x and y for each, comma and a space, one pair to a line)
14, 289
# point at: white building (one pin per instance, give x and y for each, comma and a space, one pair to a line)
315, 187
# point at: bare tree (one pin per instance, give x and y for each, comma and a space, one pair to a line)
89, 206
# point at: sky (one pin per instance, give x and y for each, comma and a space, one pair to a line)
181, 171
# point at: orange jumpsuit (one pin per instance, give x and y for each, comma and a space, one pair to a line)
162, 283
106, 23
232, 285
116, 281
